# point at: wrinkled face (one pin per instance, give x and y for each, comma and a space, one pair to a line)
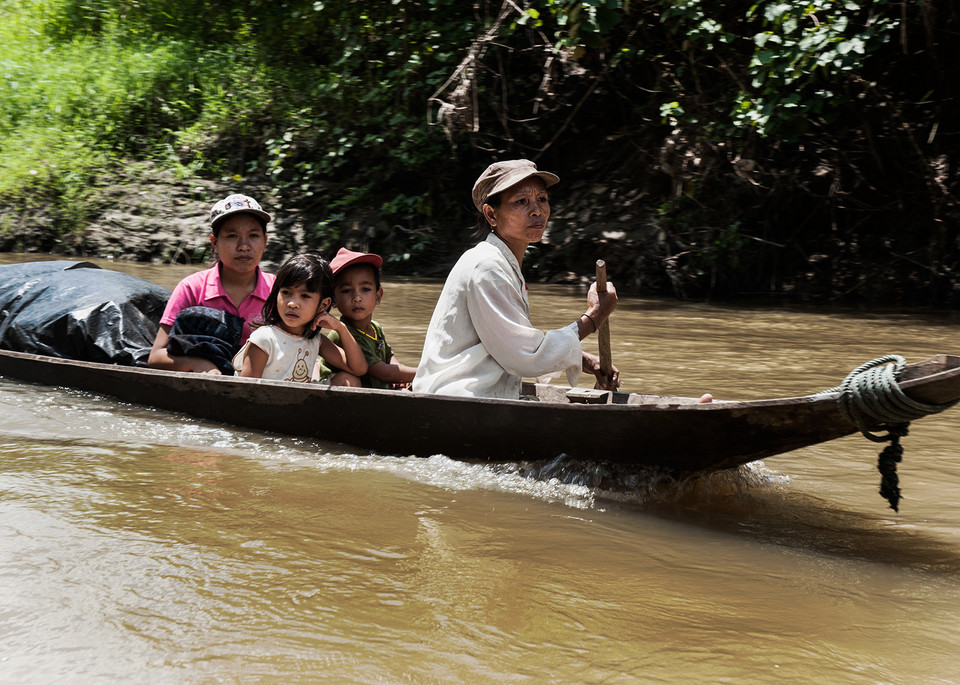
356, 294
298, 307
522, 215
240, 242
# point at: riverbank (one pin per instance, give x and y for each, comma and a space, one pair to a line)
147, 214
150, 215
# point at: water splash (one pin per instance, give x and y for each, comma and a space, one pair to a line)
88, 419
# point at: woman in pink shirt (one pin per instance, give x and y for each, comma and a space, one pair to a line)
235, 285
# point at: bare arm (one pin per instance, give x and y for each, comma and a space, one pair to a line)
254, 360
599, 308
393, 372
347, 355
160, 358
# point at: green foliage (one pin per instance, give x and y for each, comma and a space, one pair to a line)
800, 54
585, 24
306, 95
69, 107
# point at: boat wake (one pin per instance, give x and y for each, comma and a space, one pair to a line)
638, 485
41, 414
574, 483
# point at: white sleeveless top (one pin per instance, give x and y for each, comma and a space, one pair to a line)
289, 357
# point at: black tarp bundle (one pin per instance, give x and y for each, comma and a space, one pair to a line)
77, 310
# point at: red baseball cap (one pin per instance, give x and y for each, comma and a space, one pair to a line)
347, 258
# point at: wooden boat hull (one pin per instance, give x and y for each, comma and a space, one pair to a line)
669, 432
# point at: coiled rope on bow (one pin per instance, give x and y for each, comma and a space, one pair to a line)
870, 395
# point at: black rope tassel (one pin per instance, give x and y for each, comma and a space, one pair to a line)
871, 399
887, 466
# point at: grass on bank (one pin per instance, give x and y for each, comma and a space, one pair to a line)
297, 100
71, 108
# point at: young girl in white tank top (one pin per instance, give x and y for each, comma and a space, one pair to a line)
287, 345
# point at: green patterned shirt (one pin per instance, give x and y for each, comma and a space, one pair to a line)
375, 350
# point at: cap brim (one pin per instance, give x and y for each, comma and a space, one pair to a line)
518, 176
373, 260
513, 179
256, 212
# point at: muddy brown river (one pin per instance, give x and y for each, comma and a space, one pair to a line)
144, 546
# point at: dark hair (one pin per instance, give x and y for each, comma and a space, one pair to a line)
481, 229
308, 269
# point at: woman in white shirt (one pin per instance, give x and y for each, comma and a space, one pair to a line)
480, 342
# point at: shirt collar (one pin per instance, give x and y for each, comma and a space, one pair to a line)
262, 291
496, 241
213, 286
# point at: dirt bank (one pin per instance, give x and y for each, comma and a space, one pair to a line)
147, 215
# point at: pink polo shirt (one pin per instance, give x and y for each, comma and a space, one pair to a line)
205, 289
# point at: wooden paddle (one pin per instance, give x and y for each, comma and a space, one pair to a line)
603, 332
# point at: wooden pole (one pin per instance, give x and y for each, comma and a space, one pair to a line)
603, 332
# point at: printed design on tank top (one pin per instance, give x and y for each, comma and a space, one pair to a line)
301, 372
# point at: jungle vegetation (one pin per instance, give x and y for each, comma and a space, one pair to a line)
707, 148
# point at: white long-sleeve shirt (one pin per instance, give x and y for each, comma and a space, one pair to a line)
480, 342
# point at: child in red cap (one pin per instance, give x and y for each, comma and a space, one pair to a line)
356, 293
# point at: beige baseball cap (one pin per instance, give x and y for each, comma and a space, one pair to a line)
501, 175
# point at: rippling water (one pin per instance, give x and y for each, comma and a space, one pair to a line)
142, 545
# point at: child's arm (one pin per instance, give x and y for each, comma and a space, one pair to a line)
254, 360
348, 355
393, 372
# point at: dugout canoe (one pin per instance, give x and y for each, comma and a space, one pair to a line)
673, 433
